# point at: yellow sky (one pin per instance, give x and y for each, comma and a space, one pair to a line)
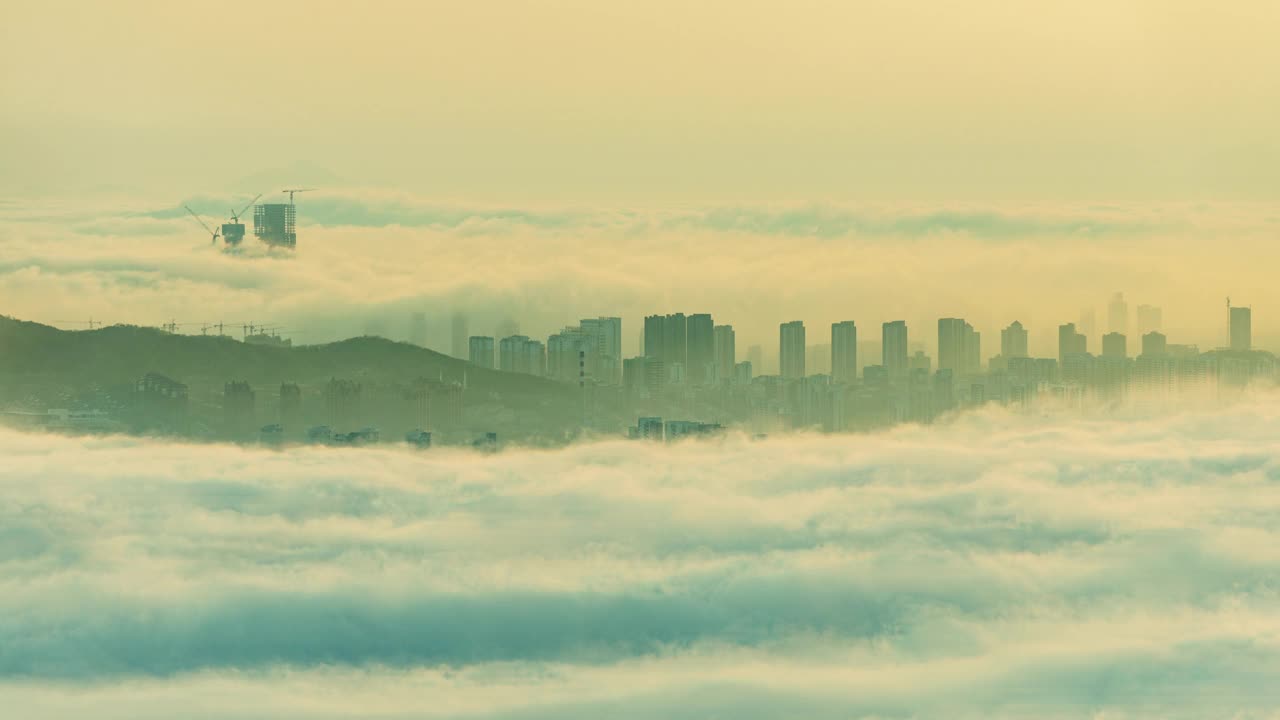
625, 100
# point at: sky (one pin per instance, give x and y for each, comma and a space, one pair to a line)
657, 102
537, 163
999, 565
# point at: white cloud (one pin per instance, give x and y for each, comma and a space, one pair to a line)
367, 260
1001, 564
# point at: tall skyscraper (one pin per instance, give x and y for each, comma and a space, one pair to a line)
605, 334
700, 348
725, 350
959, 347
791, 349
480, 351
844, 351
655, 335
893, 344
1118, 314
1150, 319
755, 356
459, 348
971, 360
1241, 328
1070, 342
951, 335
675, 344
1013, 341
564, 351
1114, 345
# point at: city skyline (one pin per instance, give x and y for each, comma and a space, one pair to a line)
587, 359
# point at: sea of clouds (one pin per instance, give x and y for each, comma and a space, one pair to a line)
1001, 564
367, 260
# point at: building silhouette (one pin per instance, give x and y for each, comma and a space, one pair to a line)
844, 352
1154, 343
1241, 328
893, 344
791, 349
480, 351
1114, 345
700, 348
604, 351
1013, 341
725, 352
1070, 342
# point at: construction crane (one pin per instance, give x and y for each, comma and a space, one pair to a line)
235, 216
296, 190
204, 225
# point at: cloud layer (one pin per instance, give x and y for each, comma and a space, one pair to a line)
368, 260
1003, 564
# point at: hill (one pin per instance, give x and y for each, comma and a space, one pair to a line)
43, 366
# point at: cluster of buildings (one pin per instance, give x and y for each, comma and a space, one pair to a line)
689, 365
592, 349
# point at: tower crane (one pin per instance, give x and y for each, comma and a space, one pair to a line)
235, 216
205, 225
296, 190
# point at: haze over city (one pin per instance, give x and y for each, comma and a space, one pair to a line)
603, 359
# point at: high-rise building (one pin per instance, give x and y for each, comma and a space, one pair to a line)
1241, 328
676, 345
1150, 319
1114, 346
791, 349
564, 351
459, 348
959, 347
755, 356
518, 353
700, 348
1070, 342
844, 351
1118, 314
971, 360
605, 362
655, 336
725, 351
893, 344
1013, 341
1154, 343
274, 224
480, 351
951, 336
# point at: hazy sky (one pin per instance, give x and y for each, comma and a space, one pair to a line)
638, 101
764, 162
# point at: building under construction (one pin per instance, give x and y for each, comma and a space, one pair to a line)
273, 223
